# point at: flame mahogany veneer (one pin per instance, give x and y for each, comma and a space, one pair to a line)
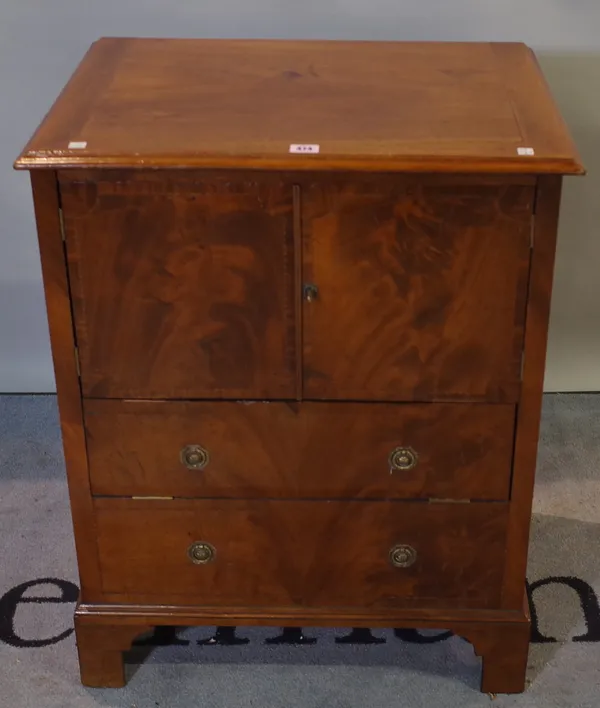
300, 387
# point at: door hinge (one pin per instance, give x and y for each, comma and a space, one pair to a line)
533, 213
153, 498
532, 232
62, 223
436, 500
77, 365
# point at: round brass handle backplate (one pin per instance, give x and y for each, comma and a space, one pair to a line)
402, 556
201, 552
403, 458
194, 457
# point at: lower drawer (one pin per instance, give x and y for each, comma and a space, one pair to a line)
302, 554
299, 450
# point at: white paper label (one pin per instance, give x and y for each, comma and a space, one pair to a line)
77, 145
525, 151
304, 148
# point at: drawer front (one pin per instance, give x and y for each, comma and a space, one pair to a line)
300, 450
420, 290
182, 286
302, 554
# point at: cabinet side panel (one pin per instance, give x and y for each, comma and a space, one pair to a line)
530, 404
58, 305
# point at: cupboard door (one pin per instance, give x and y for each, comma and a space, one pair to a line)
414, 292
182, 286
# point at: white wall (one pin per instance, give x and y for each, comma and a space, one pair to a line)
41, 41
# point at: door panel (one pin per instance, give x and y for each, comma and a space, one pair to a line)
420, 291
182, 288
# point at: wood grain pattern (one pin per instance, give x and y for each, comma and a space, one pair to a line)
504, 649
501, 639
295, 553
117, 611
173, 174
401, 106
311, 450
422, 291
58, 307
182, 288
100, 648
530, 405
297, 281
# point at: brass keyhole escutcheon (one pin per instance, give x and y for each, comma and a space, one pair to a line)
201, 553
403, 458
194, 457
402, 556
310, 291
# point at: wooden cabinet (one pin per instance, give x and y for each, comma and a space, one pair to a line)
298, 296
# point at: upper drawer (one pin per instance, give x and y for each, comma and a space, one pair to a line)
420, 289
182, 287
308, 450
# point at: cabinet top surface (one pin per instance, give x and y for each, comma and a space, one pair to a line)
401, 106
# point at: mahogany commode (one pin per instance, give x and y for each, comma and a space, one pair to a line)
300, 385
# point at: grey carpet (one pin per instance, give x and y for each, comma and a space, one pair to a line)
36, 543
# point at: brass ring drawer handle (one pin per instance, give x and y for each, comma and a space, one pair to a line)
403, 458
402, 556
201, 552
194, 457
